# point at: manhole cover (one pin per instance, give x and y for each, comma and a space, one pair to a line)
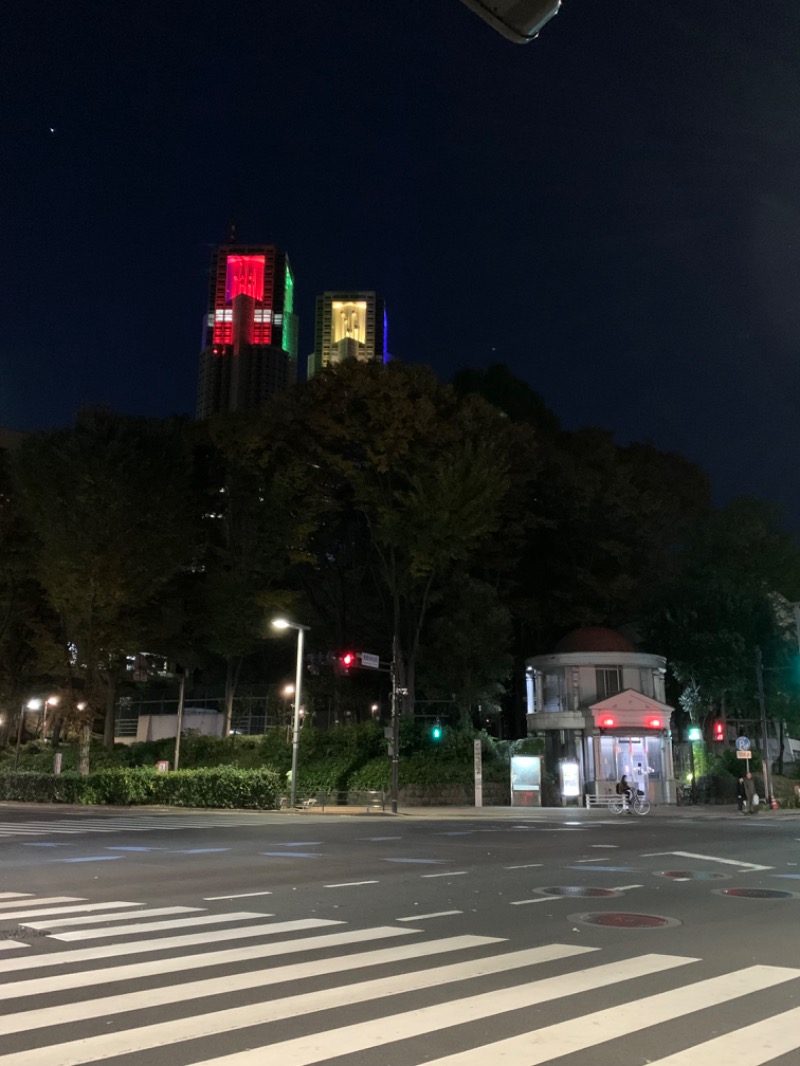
756, 893
692, 875
578, 892
624, 920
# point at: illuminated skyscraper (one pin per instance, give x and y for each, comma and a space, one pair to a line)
348, 325
250, 331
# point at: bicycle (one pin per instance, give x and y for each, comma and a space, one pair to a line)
640, 804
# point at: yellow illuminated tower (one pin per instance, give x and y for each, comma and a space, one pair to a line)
349, 325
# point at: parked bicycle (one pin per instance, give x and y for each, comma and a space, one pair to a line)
639, 805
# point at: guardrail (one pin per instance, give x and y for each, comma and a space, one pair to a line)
369, 799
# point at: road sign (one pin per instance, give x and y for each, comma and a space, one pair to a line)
742, 744
370, 660
744, 755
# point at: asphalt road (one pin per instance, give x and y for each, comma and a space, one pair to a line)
446, 937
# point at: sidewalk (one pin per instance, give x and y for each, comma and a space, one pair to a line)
532, 814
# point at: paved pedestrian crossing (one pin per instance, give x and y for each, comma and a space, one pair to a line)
48, 827
257, 989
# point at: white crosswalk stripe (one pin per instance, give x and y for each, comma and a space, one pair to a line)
197, 997
126, 824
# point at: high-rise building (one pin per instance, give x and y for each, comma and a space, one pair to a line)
250, 330
348, 325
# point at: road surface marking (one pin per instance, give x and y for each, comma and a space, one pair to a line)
146, 927
168, 943
453, 873
41, 902
589, 1030
351, 1039
752, 1045
351, 884
241, 895
156, 912
528, 866
344, 1040
188, 991
708, 858
132, 971
9, 945
423, 917
539, 899
15, 895
43, 912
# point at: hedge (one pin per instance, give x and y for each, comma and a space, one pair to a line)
222, 786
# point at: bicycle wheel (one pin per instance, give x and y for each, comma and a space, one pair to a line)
615, 804
641, 806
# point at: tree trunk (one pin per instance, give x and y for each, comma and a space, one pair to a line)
234, 666
111, 702
84, 743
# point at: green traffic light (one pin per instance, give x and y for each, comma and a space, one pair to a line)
436, 732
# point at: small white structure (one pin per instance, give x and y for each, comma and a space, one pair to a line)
598, 701
210, 723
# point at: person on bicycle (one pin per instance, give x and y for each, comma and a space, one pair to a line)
625, 790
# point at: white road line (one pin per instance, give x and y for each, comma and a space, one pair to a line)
625, 888
539, 899
43, 901
190, 990
125, 916
132, 971
15, 895
752, 1045
708, 858
453, 873
10, 945
167, 943
149, 927
82, 908
423, 917
528, 866
106, 1045
351, 1039
589, 860
578, 1034
241, 895
351, 884
604, 845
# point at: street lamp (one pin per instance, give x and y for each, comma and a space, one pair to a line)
283, 623
31, 705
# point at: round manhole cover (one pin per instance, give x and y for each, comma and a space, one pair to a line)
756, 893
625, 920
692, 875
578, 892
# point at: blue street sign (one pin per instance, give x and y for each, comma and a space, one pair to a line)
742, 744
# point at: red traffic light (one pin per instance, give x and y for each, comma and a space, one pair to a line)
719, 730
347, 659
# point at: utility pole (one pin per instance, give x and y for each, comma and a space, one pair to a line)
765, 739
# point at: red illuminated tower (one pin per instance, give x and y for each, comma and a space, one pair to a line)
250, 331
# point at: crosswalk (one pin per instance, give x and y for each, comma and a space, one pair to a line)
255, 989
126, 824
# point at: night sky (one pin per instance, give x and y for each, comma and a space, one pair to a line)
613, 210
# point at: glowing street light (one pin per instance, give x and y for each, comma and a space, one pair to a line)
283, 623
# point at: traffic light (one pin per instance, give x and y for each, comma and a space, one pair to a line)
436, 732
719, 730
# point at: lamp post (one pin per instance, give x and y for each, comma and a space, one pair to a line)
283, 623
30, 705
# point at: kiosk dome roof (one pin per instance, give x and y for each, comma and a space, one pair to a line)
594, 638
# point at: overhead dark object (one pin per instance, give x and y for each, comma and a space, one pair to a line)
518, 20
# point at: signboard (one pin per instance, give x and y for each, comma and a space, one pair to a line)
57, 763
162, 766
742, 744
478, 764
371, 661
744, 754
526, 780
570, 780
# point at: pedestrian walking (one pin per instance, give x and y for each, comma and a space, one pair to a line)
741, 795
749, 793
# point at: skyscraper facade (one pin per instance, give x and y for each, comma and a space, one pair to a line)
250, 329
348, 325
